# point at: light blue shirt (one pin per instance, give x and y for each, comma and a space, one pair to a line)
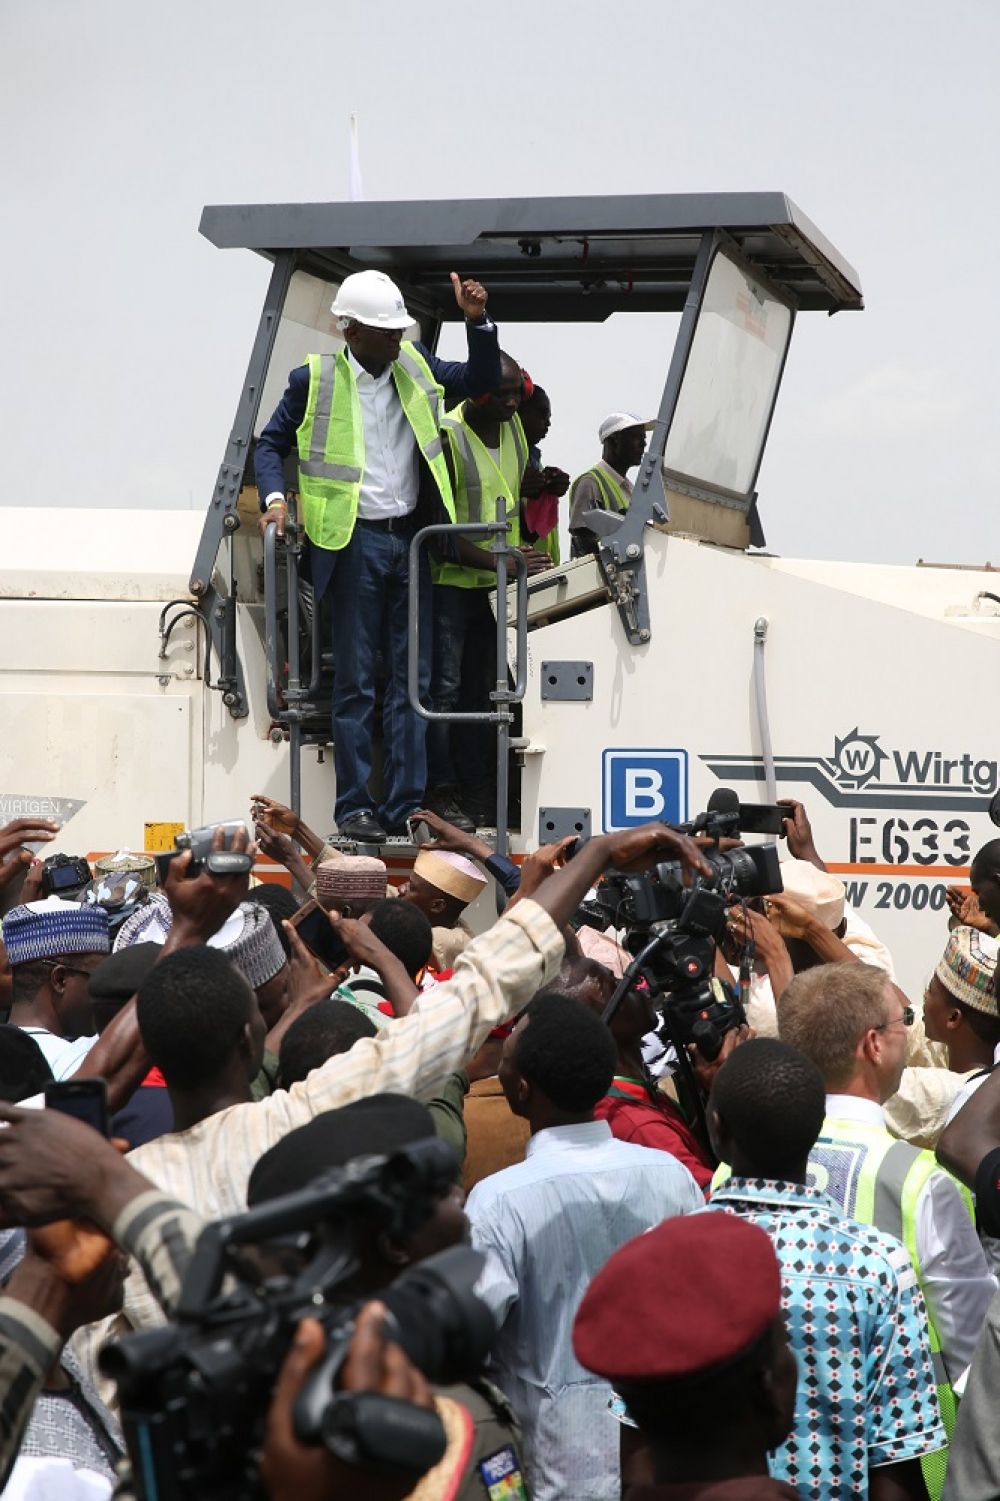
547, 1226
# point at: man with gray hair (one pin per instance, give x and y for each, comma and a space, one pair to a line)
366, 423
849, 1020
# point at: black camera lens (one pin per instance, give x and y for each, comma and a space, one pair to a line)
749, 872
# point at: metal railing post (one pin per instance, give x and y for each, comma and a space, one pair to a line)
295, 697
271, 666
503, 696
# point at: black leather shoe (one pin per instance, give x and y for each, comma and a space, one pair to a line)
443, 802
364, 827
481, 801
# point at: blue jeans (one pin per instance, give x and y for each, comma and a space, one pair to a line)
464, 676
369, 595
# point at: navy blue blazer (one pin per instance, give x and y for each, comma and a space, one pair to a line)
460, 378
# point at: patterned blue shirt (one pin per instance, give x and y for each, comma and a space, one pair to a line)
857, 1323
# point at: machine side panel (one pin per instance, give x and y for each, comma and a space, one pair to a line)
897, 789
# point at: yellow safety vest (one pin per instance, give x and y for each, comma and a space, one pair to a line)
549, 544
479, 482
611, 496
331, 440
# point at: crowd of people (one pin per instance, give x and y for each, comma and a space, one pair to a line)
309, 1191
790, 1291
391, 439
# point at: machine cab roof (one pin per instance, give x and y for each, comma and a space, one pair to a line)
736, 266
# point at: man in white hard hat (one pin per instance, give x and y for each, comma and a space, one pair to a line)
366, 424
605, 487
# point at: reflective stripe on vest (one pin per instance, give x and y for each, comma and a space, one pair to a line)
881, 1187
478, 475
331, 440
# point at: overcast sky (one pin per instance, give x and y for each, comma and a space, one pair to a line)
126, 335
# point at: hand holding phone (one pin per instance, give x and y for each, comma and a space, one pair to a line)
313, 927
84, 1099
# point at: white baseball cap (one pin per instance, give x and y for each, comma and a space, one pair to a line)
618, 422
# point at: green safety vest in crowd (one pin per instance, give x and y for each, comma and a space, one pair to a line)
878, 1180
479, 482
331, 440
611, 496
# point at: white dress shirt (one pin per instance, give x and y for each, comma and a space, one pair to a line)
953, 1272
390, 478
968, 1089
547, 1226
391, 475
62, 1054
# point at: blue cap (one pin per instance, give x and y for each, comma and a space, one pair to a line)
52, 929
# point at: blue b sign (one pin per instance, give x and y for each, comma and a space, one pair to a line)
640, 785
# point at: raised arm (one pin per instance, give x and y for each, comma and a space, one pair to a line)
200, 906
481, 372
495, 978
59, 1173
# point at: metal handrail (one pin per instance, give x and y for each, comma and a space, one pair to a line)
296, 702
469, 529
271, 621
317, 643
503, 696
546, 580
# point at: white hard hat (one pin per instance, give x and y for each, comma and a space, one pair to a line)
620, 422
373, 298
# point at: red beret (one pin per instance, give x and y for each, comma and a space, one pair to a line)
692, 1294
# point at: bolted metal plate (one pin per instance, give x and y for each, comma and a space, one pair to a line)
569, 681
556, 823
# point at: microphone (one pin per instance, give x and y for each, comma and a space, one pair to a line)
724, 800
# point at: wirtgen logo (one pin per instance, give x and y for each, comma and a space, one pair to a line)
857, 759
861, 773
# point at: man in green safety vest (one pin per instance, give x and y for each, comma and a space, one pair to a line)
851, 1021
487, 453
606, 487
366, 423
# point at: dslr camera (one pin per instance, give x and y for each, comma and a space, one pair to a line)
224, 862
65, 876
194, 1396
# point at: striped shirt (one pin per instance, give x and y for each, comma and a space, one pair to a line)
209, 1165
547, 1225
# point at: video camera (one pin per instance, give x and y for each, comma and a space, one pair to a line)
672, 930
194, 1396
224, 862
